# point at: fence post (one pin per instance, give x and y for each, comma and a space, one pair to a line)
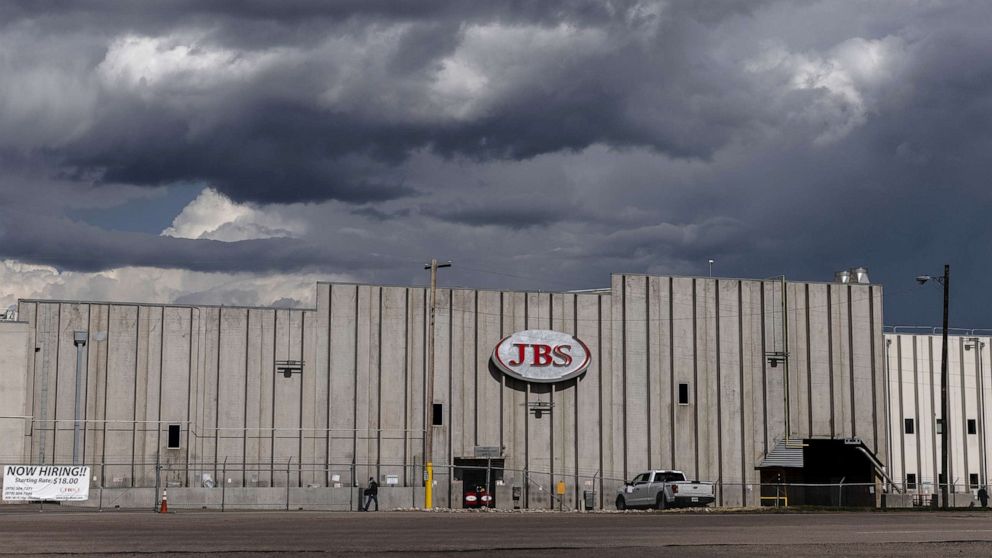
223, 486
101, 487
158, 476
288, 464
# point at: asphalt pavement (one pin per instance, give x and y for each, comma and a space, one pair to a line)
131, 533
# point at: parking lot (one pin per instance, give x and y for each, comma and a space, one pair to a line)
34, 533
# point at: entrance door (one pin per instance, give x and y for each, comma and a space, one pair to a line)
474, 474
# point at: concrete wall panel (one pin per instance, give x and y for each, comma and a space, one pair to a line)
28, 312
344, 343
120, 413
588, 428
730, 379
45, 381
775, 382
489, 382
393, 375
71, 317
863, 385
146, 400
708, 411
684, 358
231, 391
174, 389
819, 363
415, 388
799, 380
15, 356
660, 372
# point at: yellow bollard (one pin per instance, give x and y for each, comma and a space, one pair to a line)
428, 492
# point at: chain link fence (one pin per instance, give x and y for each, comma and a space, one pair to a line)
291, 485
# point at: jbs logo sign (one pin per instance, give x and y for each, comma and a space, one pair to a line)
541, 355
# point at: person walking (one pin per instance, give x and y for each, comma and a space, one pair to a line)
371, 495
983, 497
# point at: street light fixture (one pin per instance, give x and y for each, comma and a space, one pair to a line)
945, 455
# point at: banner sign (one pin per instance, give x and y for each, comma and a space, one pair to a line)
45, 482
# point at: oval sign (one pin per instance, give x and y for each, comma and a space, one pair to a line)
542, 355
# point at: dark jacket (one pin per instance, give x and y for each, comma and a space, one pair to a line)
373, 489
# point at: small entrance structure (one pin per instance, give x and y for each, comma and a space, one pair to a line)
479, 477
820, 472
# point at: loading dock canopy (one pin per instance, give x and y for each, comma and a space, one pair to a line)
787, 454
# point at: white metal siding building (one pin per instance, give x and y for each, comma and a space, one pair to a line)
913, 363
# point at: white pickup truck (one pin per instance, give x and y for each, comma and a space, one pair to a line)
664, 489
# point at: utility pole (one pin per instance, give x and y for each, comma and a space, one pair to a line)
429, 393
945, 454
945, 423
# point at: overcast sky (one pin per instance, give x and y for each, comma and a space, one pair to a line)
236, 152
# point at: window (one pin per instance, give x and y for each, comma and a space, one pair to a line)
910, 427
437, 418
683, 394
911, 481
973, 479
972, 426
940, 479
174, 430
642, 478
940, 426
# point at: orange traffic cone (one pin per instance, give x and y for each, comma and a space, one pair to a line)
164, 508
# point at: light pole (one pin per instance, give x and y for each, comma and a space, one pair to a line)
712, 261
945, 423
429, 392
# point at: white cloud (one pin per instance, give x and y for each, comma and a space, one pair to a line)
144, 284
178, 63
846, 77
213, 216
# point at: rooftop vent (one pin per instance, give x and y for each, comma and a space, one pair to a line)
853, 276
859, 275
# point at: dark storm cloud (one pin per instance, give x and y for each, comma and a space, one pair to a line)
514, 214
271, 103
554, 142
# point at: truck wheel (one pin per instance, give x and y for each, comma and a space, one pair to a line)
621, 503
661, 503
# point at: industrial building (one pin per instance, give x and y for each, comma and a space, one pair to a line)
916, 423
721, 378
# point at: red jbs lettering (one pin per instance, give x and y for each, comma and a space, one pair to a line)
542, 355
